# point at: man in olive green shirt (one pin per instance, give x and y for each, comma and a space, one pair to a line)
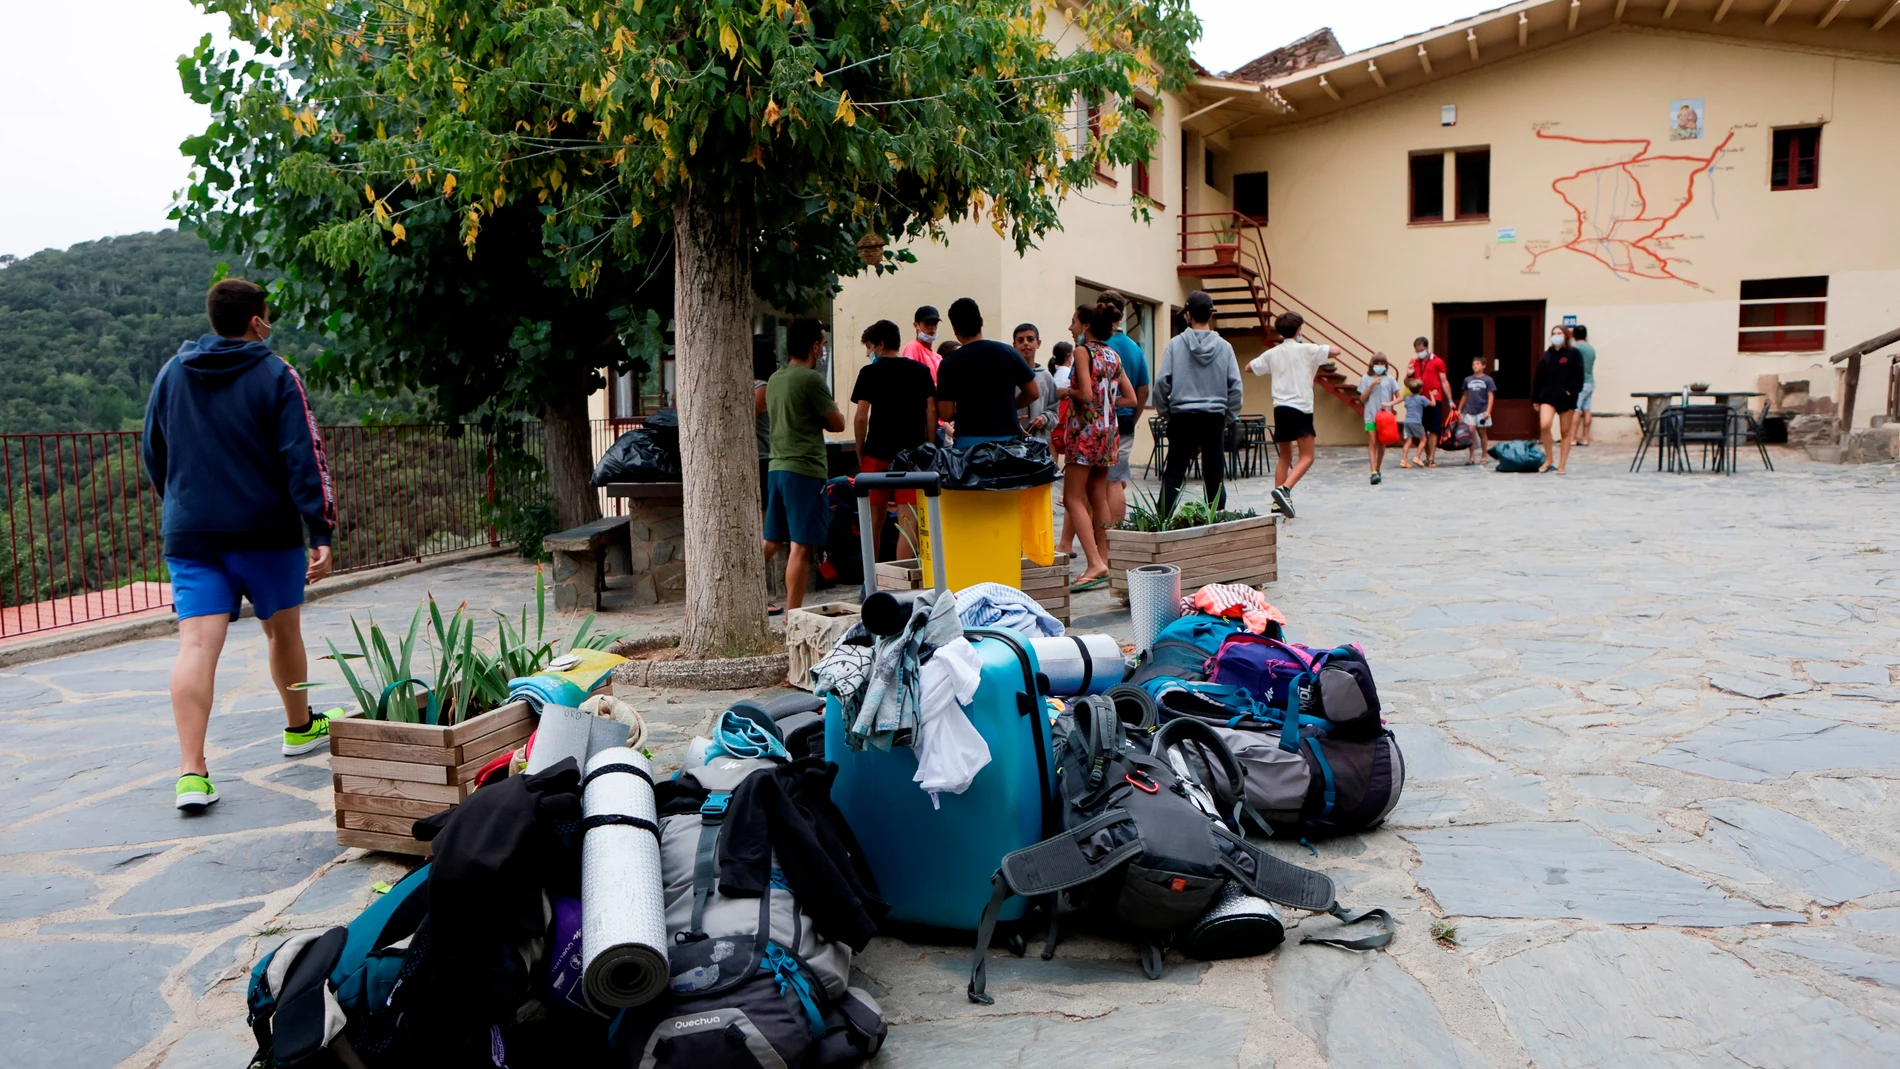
801, 409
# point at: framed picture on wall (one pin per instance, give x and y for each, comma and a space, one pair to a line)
1685, 120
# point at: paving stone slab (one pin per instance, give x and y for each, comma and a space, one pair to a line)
1424, 669
37, 786
1133, 1037
195, 922
18, 693
1327, 996
212, 1048
1473, 615
1628, 825
307, 774
1563, 869
1880, 921
1824, 672
1796, 852
1704, 856
1523, 788
1612, 788
1861, 794
1585, 662
1432, 754
1890, 695
1650, 999
1756, 684
1838, 957
43, 985
225, 870
1757, 747
146, 815
216, 965
33, 894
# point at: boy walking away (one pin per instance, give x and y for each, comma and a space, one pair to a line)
234, 452
1038, 417
1198, 391
1430, 370
802, 411
1135, 366
982, 384
1292, 363
1481, 390
897, 409
1580, 336
1417, 405
1377, 391
923, 347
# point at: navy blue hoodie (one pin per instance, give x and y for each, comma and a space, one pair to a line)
233, 449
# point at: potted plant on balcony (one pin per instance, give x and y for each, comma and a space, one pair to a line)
1227, 244
433, 710
1209, 545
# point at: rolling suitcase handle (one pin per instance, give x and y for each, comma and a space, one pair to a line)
867, 483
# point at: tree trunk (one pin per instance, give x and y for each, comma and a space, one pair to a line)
712, 328
570, 458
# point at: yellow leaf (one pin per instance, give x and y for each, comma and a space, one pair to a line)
399, 232
336, 47
634, 219
728, 40
368, 193
381, 134
771, 111
845, 114
448, 185
817, 77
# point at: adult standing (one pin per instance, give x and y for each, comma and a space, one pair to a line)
896, 409
1292, 363
1430, 370
1580, 335
800, 405
1559, 381
1377, 391
1093, 440
982, 383
234, 452
1197, 391
764, 364
923, 344
1037, 417
1127, 416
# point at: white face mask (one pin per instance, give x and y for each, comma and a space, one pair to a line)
1378, 369
1556, 341
927, 338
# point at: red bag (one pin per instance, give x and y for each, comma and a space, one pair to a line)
1386, 426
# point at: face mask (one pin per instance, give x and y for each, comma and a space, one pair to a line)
1378, 369
872, 355
1556, 341
927, 338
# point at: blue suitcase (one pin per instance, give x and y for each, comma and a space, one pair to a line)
934, 865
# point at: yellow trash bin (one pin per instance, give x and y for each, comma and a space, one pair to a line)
984, 533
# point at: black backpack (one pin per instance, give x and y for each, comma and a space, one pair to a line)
1145, 847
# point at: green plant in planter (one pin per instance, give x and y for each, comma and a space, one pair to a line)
1145, 515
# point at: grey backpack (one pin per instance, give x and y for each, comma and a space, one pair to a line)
754, 986
1147, 849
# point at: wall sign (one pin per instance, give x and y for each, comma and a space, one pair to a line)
1448, 115
1507, 235
1685, 120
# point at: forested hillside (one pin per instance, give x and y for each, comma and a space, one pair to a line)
82, 332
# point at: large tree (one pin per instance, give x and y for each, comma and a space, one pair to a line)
759, 144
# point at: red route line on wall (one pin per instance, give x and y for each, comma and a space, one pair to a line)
1662, 222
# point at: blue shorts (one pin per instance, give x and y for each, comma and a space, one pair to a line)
795, 509
271, 578
1583, 396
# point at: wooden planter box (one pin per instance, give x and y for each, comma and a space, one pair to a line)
388, 775
1048, 586
1239, 551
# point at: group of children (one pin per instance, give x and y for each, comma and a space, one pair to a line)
1423, 411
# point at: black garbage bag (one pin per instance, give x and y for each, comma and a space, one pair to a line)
1011, 465
639, 457
664, 426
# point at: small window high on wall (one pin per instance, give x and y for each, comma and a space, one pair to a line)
1474, 184
1797, 159
1784, 315
1250, 195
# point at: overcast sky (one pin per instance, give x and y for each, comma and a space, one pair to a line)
91, 114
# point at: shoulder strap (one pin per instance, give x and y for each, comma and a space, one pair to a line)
1102, 732
712, 815
1189, 730
1282, 881
306, 1017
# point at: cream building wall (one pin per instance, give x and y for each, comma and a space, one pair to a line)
1340, 239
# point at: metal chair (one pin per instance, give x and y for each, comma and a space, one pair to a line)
1158, 458
1747, 431
1649, 428
1706, 425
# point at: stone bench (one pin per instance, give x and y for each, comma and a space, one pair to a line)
580, 559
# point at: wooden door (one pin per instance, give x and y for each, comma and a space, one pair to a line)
1504, 335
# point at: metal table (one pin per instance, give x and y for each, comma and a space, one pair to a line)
1657, 400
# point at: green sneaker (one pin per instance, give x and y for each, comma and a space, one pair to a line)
195, 792
314, 737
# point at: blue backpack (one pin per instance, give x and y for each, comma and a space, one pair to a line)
321, 993
1181, 649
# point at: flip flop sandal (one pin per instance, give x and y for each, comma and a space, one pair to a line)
775, 610
1096, 583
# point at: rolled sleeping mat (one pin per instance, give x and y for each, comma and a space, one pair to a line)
1237, 925
1134, 707
623, 907
1080, 665
886, 612
1154, 601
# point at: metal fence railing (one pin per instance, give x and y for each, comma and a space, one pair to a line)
79, 520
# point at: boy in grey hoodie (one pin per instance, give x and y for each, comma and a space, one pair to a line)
1197, 390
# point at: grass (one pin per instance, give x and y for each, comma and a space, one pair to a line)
1445, 934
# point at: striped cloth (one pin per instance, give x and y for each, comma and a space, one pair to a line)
1233, 600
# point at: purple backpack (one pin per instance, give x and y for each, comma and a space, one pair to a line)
1331, 689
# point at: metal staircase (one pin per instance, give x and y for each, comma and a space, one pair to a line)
1223, 251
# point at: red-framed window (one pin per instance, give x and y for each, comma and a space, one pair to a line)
1784, 315
1473, 168
1797, 159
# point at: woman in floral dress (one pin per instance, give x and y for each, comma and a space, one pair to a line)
1091, 438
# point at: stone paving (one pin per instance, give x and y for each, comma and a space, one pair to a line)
1650, 724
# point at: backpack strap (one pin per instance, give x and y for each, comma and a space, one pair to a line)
712, 816
1281, 881
1189, 730
1290, 712
1101, 731
306, 1016
1055, 864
